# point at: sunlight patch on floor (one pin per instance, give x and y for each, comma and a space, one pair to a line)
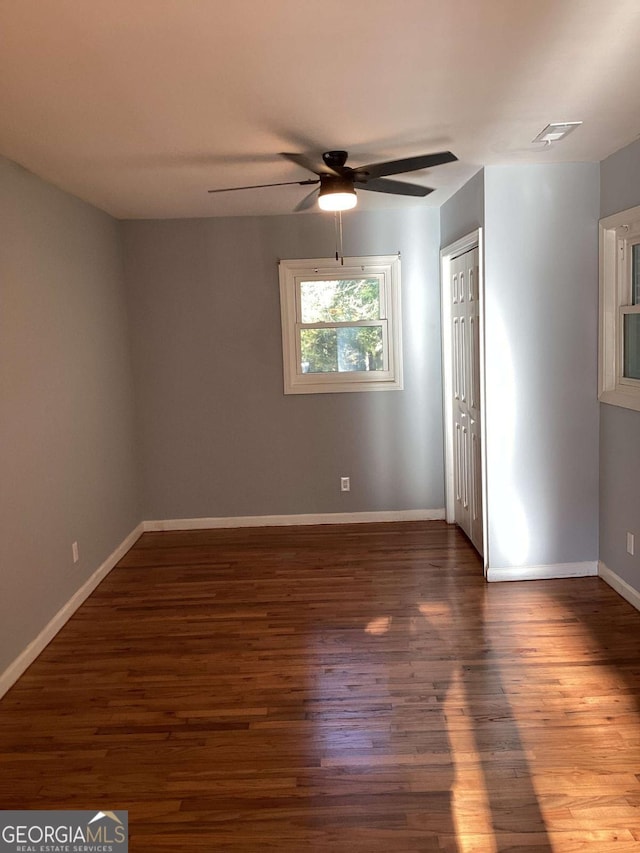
379, 626
469, 818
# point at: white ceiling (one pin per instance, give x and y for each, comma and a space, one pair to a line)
140, 106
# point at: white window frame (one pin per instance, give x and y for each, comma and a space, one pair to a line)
387, 269
617, 233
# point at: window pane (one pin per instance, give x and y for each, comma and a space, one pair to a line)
340, 300
635, 275
632, 346
341, 350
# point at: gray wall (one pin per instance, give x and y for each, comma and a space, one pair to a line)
620, 428
463, 212
67, 460
218, 436
541, 287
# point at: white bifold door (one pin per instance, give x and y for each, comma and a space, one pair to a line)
465, 341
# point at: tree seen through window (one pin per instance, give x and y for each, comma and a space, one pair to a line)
336, 344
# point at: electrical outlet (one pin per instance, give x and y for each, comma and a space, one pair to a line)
631, 544
74, 552
345, 484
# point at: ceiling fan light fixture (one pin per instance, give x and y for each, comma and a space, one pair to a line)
337, 199
336, 193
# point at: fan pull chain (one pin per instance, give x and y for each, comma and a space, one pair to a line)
337, 218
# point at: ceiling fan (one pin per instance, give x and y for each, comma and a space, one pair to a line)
338, 182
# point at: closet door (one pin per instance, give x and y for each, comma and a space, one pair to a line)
465, 341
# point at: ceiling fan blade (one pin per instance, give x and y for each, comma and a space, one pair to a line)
307, 202
261, 186
409, 164
381, 185
317, 167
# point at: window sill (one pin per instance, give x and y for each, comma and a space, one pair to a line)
626, 399
332, 387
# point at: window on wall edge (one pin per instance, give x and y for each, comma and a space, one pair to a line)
341, 324
619, 338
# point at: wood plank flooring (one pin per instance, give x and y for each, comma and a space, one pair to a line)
337, 688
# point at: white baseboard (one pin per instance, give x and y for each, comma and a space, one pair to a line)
13, 672
621, 587
536, 573
286, 520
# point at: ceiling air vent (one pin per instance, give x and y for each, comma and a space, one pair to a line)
556, 131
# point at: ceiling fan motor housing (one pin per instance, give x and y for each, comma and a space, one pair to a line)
335, 159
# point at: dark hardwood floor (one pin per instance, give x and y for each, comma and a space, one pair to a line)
337, 688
